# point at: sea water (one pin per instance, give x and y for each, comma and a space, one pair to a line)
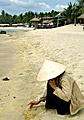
9, 30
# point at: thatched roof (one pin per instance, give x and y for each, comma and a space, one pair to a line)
81, 16
46, 21
47, 18
35, 20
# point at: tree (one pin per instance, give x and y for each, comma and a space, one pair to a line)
28, 16
3, 13
41, 14
8, 18
68, 12
20, 18
81, 4
36, 14
75, 13
54, 13
3, 17
14, 19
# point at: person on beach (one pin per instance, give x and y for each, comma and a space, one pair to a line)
62, 92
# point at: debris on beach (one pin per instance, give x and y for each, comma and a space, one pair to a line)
14, 97
9, 35
2, 32
6, 79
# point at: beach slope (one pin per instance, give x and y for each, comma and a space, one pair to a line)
64, 45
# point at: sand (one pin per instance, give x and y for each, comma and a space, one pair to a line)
27, 52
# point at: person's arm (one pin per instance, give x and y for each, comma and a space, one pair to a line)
42, 98
66, 88
33, 103
65, 92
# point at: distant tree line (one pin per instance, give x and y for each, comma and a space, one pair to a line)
71, 13
6, 18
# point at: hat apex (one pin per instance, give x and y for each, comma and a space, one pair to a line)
50, 70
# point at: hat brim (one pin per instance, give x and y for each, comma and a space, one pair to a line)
50, 70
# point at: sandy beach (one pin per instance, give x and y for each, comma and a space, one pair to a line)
21, 57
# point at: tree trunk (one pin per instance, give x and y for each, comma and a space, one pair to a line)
74, 21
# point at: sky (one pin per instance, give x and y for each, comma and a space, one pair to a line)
21, 6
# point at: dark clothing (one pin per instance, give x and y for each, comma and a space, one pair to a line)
54, 102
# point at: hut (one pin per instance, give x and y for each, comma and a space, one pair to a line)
81, 17
47, 24
35, 22
60, 19
47, 18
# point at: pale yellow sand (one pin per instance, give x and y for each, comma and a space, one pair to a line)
64, 45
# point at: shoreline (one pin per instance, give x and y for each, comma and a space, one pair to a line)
7, 52
16, 28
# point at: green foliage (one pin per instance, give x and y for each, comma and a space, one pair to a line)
5, 18
55, 22
9, 19
41, 14
75, 10
81, 2
69, 10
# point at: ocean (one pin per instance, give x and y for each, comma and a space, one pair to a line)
9, 30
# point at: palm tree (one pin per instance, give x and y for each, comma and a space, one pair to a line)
68, 12
81, 4
75, 12
3, 17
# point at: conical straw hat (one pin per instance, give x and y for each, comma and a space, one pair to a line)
50, 70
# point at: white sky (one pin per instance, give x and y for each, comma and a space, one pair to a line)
22, 6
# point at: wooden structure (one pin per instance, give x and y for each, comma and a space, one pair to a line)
35, 21
81, 17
